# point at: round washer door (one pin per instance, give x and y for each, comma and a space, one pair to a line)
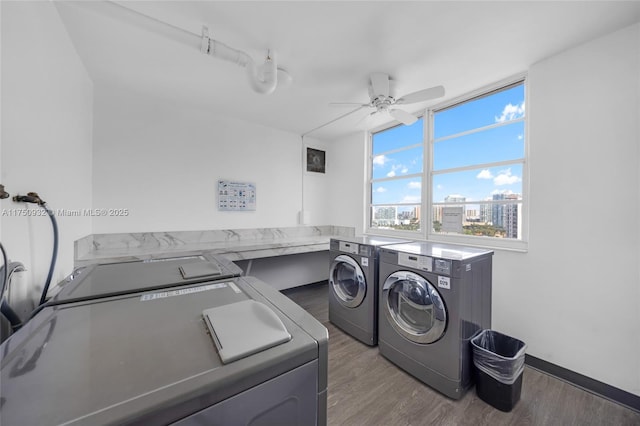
413, 307
347, 282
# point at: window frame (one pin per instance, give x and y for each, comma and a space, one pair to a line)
427, 205
419, 234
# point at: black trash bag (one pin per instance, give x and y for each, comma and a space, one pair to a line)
498, 355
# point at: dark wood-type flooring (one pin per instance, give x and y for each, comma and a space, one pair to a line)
366, 389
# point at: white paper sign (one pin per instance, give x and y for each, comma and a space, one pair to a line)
236, 196
452, 219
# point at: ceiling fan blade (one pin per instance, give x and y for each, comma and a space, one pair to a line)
349, 104
380, 84
403, 116
422, 95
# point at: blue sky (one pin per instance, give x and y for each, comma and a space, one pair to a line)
501, 143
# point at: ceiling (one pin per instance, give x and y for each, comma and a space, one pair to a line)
330, 48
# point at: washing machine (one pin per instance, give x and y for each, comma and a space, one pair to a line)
226, 352
353, 285
433, 298
96, 281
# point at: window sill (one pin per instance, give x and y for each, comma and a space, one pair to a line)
491, 243
482, 242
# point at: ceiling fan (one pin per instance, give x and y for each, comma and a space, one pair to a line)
385, 104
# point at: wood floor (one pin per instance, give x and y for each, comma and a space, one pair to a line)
366, 389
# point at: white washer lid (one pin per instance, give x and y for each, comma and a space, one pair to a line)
244, 328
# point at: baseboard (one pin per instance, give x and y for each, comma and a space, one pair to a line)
604, 390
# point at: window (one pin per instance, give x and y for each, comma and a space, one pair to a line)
396, 176
470, 178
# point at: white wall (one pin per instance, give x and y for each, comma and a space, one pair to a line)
347, 157
46, 134
574, 297
162, 161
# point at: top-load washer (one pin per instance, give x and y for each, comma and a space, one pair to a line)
101, 280
229, 352
433, 299
353, 285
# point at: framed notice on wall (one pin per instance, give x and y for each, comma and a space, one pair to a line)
236, 196
316, 161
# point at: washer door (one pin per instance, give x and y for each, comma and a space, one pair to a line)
414, 307
347, 282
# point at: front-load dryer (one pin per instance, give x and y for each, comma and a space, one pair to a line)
432, 299
353, 285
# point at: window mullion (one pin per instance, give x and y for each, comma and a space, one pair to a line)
478, 166
479, 129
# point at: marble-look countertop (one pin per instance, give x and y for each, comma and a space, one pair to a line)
233, 244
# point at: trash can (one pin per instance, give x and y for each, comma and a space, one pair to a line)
499, 363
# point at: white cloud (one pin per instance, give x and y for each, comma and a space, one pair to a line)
439, 186
501, 191
510, 112
379, 160
506, 178
520, 137
415, 185
381, 189
397, 167
485, 174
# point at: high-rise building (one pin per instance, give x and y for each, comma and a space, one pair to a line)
511, 216
506, 215
437, 213
497, 211
485, 212
416, 213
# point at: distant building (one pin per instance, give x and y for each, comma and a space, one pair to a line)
511, 219
506, 215
485, 212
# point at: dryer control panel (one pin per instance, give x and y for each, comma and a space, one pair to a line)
353, 248
423, 263
348, 247
442, 266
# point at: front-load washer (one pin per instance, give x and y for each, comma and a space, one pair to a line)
433, 299
353, 285
100, 280
229, 352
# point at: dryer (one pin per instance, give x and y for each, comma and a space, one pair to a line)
353, 285
432, 299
